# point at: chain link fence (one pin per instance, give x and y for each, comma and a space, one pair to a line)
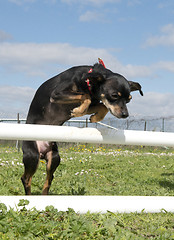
160, 124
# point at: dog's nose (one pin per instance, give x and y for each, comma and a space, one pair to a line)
125, 114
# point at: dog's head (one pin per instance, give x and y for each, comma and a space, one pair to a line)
116, 93
114, 90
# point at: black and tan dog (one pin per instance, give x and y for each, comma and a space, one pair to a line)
77, 91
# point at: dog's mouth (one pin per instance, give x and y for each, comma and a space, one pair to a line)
119, 114
116, 110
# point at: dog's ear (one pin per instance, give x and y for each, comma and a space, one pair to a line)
93, 76
134, 86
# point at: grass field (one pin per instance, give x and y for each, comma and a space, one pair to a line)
91, 170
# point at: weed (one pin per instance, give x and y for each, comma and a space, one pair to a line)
54, 224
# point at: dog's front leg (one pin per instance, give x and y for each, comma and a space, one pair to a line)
99, 111
83, 108
71, 97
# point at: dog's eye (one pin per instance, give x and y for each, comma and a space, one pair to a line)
128, 100
115, 95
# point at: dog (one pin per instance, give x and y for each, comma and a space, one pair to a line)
75, 92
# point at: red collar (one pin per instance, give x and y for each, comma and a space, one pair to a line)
88, 84
90, 71
88, 81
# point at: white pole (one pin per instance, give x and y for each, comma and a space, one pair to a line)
85, 135
83, 204
101, 204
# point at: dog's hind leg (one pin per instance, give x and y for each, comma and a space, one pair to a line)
53, 161
30, 160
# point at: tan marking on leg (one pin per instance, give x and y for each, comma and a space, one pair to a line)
69, 99
83, 108
100, 112
49, 177
26, 180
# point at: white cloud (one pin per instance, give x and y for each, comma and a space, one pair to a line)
166, 65
152, 104
14, 100
84, 2
166, 4
91, 16
20, 2
29, 57
94, 2
166, 38
133, 2
133, 71
5, 36
39, 59
98, 2
12, 93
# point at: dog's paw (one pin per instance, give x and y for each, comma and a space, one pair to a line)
76, 113
93, 119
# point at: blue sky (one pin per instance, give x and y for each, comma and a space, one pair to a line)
41, 38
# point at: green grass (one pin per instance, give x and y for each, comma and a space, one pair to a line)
53, 224
90, 170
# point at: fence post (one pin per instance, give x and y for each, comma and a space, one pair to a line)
17, 142
86, 122
163, 125
127, 127
145, 125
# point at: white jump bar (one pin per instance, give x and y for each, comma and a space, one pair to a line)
85, 135
94, 204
